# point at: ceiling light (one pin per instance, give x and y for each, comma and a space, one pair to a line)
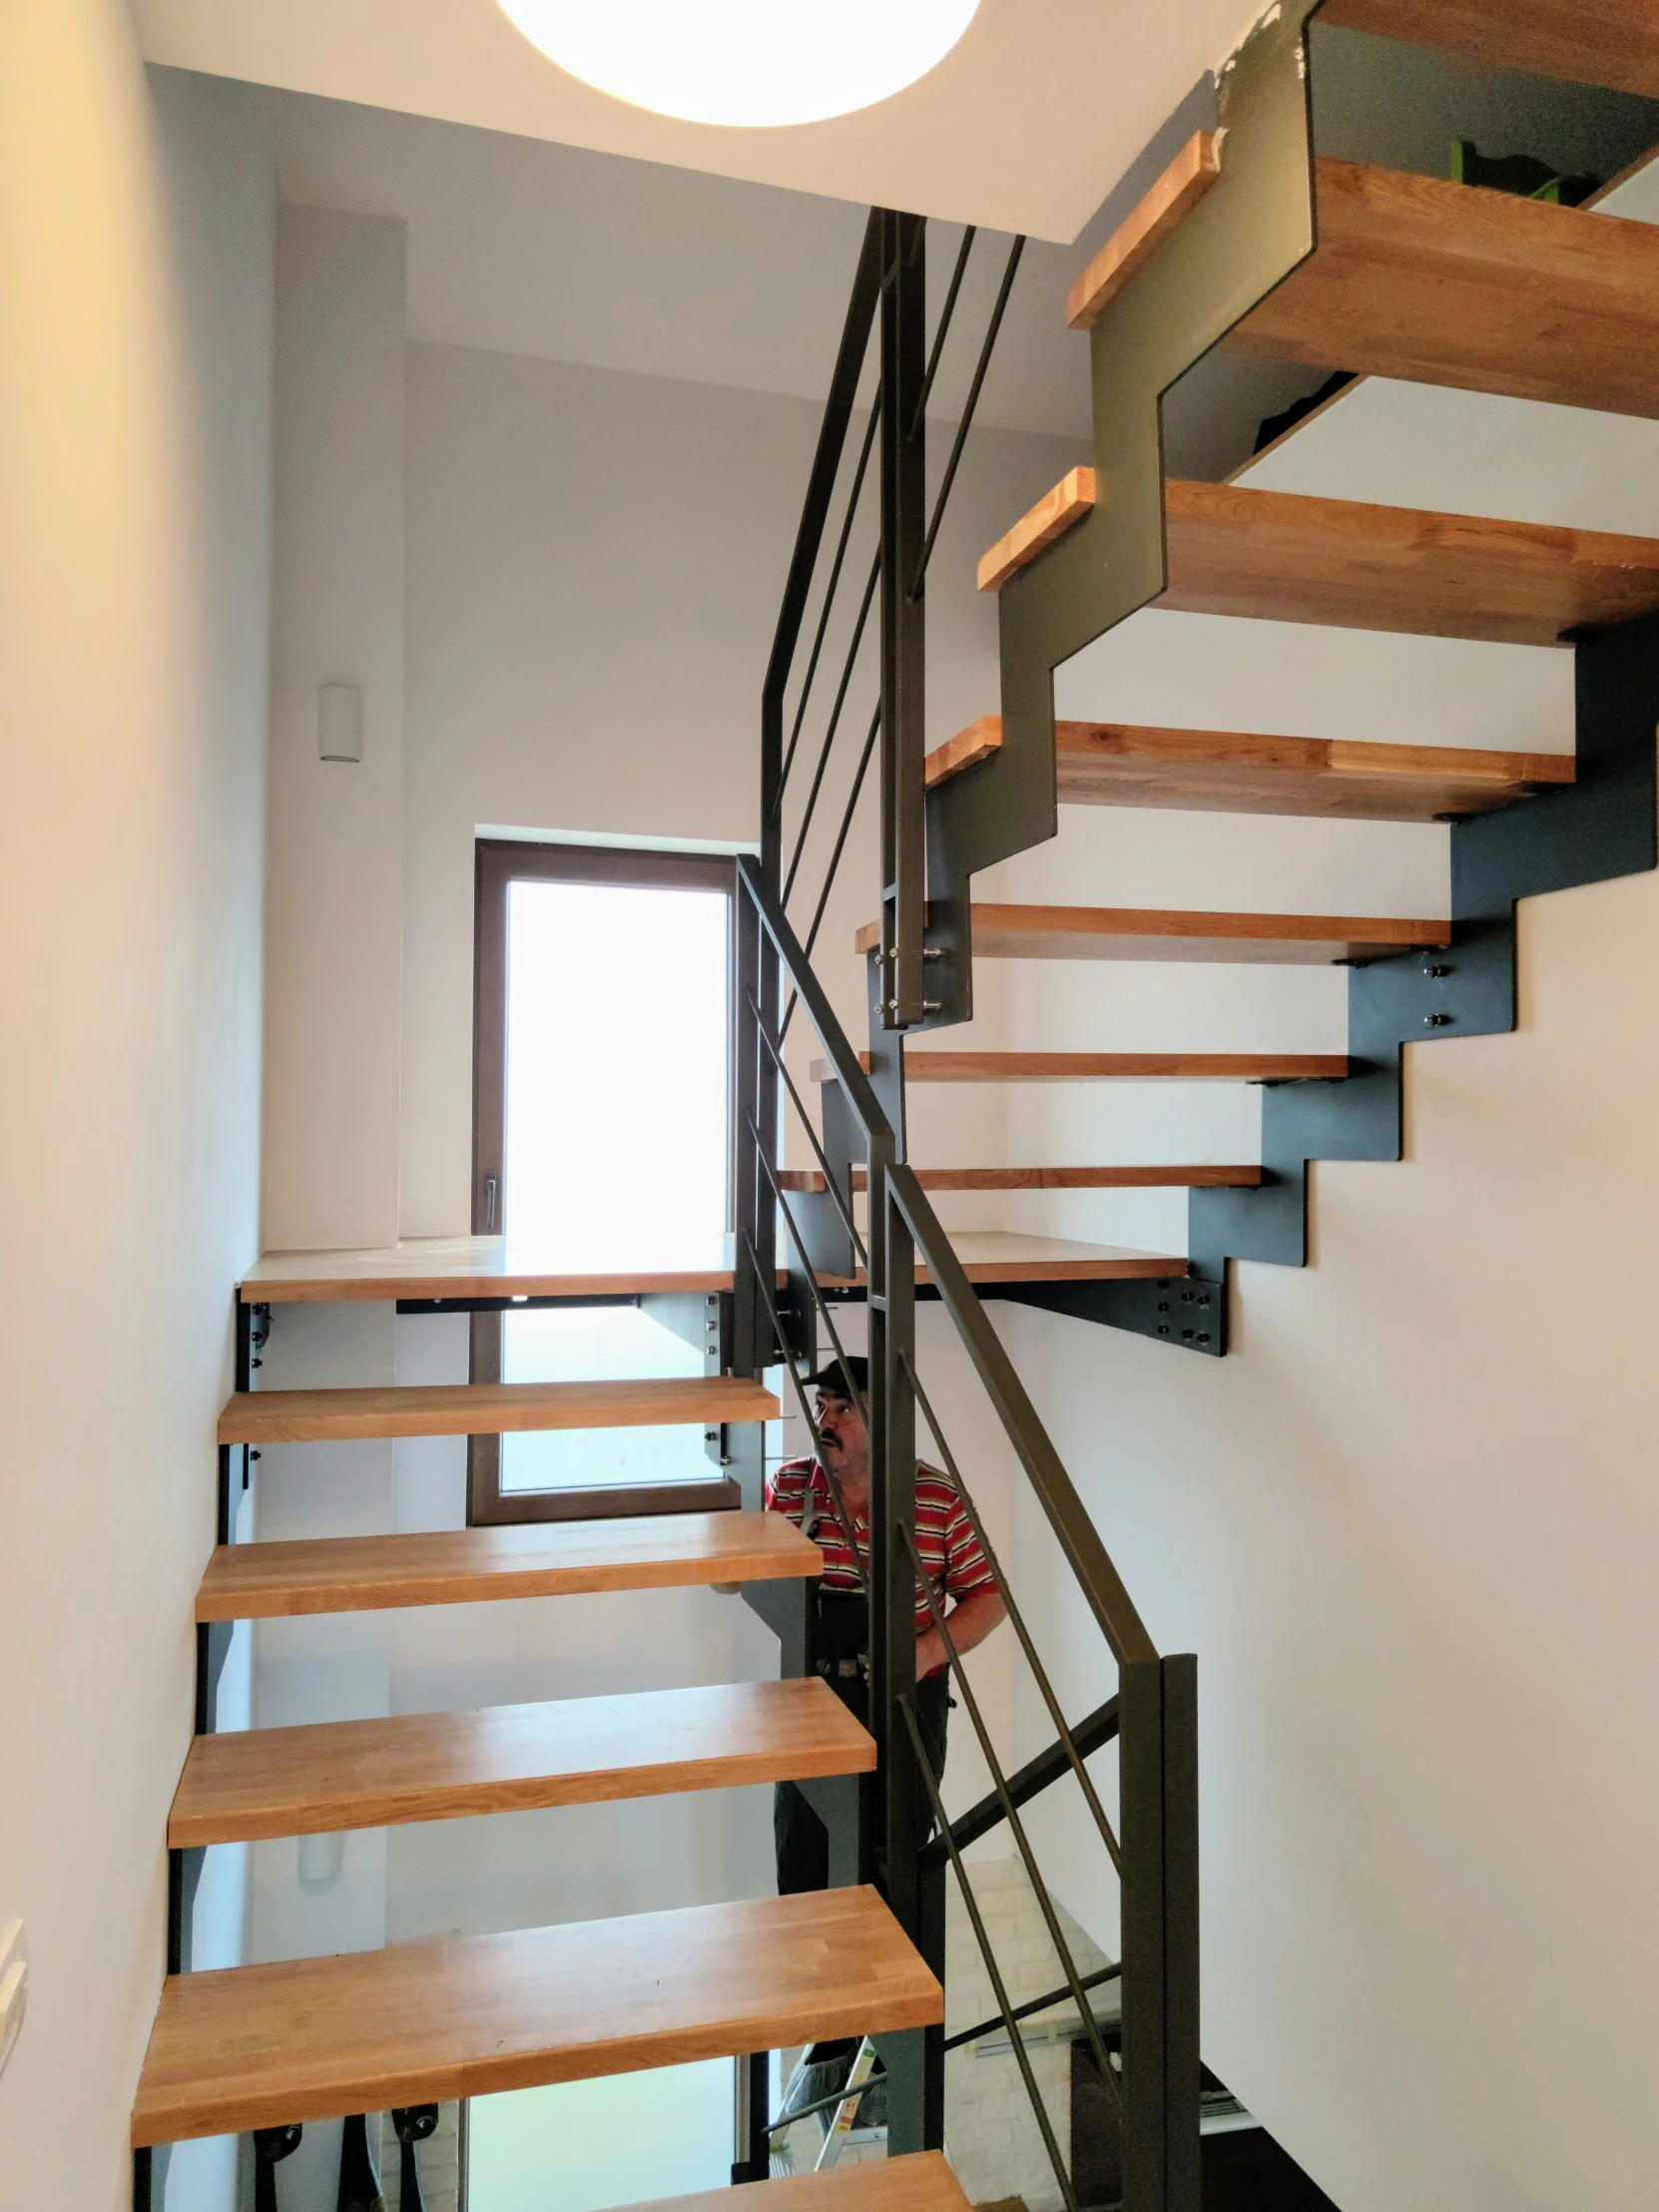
749, 63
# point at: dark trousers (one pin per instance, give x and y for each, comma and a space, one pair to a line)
799, 1837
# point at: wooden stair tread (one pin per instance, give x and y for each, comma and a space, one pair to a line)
1122, 1067
1286, 557
919, 2183
990, 1255
1054, 514
463, 1566
1442, 284
314, 2038
266, 1781
1023, 933
468, 1267
488, 1408
1121, 1178
1591, 42
1234, 771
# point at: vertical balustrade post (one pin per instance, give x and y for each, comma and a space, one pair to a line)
904, 616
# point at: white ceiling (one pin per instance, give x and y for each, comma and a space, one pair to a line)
1025, 125
522, 247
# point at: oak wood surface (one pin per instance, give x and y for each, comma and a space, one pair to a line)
1290, 558
1138, 236
920, 2182
1591, 42
1023, 932
456, 1267
1048, 1179
1446, 284
266, 1781
1236, 772
488, 1408
1053, 516
1010, 1256
1123, 1067
461, 1567
312, 2038
965, 749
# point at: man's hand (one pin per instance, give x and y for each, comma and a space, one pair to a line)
970, 1623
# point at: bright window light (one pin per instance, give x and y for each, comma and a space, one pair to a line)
616, 1151
748, 63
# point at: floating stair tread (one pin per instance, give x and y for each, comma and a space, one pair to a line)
468, 1267
1102, 1067
418, 2024
1593, 42
1053, 515
489, 1408
920, 2182
266, 1781
463, 1566
1445, 283
1008, 932
1146, 1178
1286, 557
1010, 1256
1234, 772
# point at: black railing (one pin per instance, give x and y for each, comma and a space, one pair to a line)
1148, 2054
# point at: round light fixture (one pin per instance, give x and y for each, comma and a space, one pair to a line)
749, 63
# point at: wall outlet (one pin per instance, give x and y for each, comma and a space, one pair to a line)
14, 1984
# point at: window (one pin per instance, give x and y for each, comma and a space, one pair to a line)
601, 1144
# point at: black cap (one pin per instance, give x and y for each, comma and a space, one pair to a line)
830, 1379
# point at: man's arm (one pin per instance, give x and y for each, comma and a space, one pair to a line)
970, 1622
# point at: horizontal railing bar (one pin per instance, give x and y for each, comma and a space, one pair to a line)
1016, 1620
1039, 2110
966, 423
822, 2104
848, 812
1086, 1556
843, 1207
832, 438
1029, 1781
861, 1093
939, 336
1010, 1812
835, 725
829, 590
1024, 2012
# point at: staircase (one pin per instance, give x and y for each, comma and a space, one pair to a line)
1243, 237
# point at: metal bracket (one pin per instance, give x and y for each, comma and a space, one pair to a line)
1186, 1312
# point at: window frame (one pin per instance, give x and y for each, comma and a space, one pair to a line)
499, 863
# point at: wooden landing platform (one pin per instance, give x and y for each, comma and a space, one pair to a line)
488, 1408
1444, 283
314, 2038
1593, 42
1149, 1178
466, 1267
1112, 1067
465, 1566
266, 1781
1008, 932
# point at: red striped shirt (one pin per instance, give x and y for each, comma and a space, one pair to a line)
950, 1554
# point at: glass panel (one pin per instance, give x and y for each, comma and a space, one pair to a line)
616, 1148
587, 2146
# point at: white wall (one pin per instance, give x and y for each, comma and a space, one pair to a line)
1407, 1524
135, 394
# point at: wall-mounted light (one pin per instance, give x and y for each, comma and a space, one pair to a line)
749, 63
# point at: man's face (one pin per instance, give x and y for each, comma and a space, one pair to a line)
841, 1433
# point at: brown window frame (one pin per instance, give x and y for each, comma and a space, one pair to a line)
499, 863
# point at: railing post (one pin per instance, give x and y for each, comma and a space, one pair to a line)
1159, 1816
904, 616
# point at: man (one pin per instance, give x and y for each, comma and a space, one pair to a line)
809, 1491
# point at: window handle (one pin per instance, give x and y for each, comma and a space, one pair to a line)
489, 1203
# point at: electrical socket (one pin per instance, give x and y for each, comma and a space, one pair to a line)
14, 1984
